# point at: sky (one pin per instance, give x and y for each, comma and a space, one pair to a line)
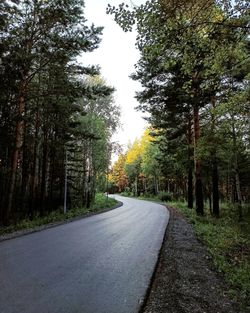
116, 56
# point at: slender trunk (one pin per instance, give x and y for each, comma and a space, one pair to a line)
210, 203
44, 172
65, 183
25, 171
236, 171
215, 186
34, 169
239, 196
215, 176
190, 188
17, 146
197, 164
145, 185
88, 192
52, 175
190, 165
87, 178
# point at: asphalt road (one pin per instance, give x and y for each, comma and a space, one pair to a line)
100, 264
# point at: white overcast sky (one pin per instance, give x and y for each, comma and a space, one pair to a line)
116, 56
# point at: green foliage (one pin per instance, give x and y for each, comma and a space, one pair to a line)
127, 194
165, 196
103, 202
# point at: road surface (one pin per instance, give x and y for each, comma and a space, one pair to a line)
99, 264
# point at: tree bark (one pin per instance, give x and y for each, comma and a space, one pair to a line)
190, 188
197, 164
44, 173
190, 165
18, 145
239, 196
215, 177
236, 171
33, 183
215, 183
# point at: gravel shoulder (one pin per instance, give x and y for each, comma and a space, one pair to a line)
185, 280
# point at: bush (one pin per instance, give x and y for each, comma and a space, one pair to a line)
165, 196
127, 194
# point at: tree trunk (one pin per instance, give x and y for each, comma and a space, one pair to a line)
197, 164
44, 173
25, 171
215, 183
239, 196
33, 183
190, 165
210, 203
190, 188
215, 177
18, 145
236, 171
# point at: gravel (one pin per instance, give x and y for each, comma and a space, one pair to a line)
185, 280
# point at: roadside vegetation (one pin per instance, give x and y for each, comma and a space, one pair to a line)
228, 243
101, 203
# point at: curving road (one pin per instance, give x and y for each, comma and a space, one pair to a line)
99, 264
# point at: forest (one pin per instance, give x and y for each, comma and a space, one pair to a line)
194, 71
57, 116
57, 121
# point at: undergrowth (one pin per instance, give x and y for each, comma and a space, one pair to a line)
101, 202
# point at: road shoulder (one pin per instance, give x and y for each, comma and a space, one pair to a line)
185, 280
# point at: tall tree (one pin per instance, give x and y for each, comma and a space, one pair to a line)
41, 84
191, 37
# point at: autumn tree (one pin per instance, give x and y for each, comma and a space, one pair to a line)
118, 175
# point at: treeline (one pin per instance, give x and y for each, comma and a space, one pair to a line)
56, 116
137, 172
194, 70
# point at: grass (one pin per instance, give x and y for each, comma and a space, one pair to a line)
101, 202
228, 242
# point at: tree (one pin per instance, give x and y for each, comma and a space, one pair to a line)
184, 45
118, 175
41, 113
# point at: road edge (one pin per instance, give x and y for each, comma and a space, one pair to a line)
24, 232
152, 279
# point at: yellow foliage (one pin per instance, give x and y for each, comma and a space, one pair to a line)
136, 151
